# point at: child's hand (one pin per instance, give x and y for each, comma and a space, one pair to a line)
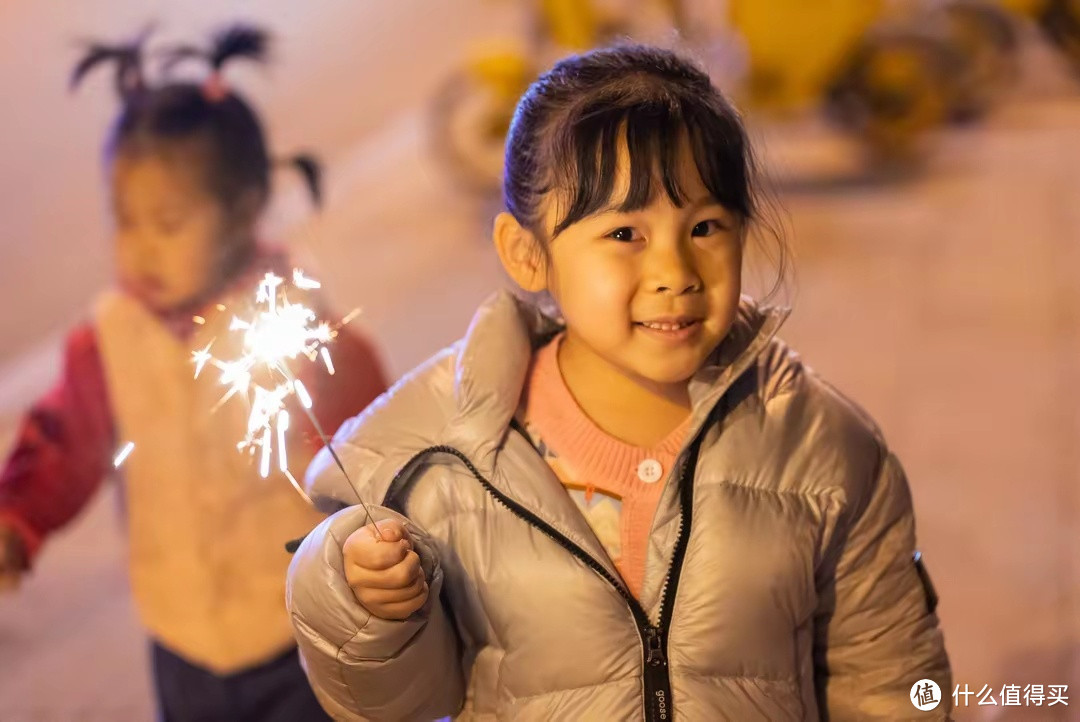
12, 559
385, 575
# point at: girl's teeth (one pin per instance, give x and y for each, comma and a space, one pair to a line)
666, 326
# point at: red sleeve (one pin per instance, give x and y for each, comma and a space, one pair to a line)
358, 379
63, 448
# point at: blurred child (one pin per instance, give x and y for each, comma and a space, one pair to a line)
190, 174
645, 507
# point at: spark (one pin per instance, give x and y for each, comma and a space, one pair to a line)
302, 281
327, 360
201, 358
123, 454
282, 427
302, 394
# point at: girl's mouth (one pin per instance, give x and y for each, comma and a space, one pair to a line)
667, 326
674, 329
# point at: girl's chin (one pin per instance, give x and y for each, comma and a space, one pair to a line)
670, 371
664, 374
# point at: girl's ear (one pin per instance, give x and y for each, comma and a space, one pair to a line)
520, 252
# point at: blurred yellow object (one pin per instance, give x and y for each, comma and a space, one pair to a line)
796, 46
571, 24
907, 99
505, 70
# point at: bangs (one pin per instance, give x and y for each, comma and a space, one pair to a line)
649, 132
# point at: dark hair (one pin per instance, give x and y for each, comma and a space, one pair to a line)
155, 118
568, 126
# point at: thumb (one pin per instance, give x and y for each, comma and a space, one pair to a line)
391, 530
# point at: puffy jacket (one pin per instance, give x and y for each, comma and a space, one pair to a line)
781, 581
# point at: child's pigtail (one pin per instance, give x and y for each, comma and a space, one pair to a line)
235, 41
311, 170
128, 57
239, 41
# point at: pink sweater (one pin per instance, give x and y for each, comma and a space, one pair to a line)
615, 484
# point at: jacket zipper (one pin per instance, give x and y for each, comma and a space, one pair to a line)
657, 680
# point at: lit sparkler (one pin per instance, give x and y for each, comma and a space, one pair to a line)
279, 333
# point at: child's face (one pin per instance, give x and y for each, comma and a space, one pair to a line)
649, 292
171, 234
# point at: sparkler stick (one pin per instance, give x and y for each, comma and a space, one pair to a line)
278, 332
305, 404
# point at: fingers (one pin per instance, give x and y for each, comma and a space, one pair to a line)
384, 571
400, 610
364, 549
372, 597
399, 576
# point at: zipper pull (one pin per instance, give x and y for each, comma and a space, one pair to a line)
654, 645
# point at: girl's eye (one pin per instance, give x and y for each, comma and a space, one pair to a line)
707, 228
624, 234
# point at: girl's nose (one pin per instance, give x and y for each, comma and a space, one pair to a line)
671, 270
138, 250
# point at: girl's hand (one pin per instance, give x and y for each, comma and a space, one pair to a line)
385, 575
12, 559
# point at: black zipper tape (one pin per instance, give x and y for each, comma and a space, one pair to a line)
657, 681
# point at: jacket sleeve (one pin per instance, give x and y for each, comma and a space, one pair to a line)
62, 449
876, 630
363, 667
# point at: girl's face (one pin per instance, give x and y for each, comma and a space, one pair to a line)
172, 236
649, 293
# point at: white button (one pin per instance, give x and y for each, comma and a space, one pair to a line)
650, 471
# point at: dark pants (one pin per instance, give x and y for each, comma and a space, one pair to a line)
276, 691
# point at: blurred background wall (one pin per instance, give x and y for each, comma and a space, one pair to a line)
944, 298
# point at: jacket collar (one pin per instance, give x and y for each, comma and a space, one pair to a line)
495, 354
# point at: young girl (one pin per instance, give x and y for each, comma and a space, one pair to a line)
648, 508
190, 173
